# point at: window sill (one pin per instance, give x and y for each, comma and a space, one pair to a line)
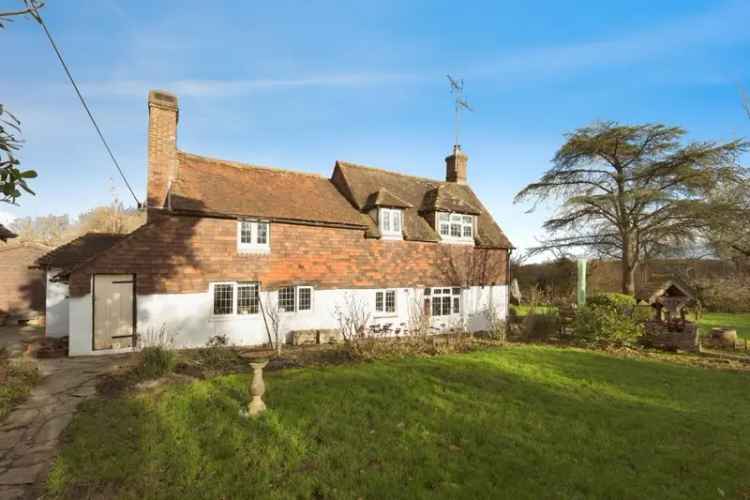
449, 241
254, 250
232, 317
392, 237
385, 315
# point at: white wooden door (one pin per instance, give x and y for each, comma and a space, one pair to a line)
113, 311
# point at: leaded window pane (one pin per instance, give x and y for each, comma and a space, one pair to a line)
247, 298
390, 301
468, 231
386, 225
436, 306
379, 301
446, 306
455, 230
456, 305
396, 221
223, 299
246, 232
262, 233
304, 297
286, 298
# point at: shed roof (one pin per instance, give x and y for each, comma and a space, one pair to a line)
79, 250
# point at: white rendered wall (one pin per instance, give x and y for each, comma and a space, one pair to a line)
81, 325
189, 321
56, 306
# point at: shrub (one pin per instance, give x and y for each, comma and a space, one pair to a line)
608, 317
731, 295
620, 301
540, 326
156, 362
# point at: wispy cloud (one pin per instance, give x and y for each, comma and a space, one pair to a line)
230, 88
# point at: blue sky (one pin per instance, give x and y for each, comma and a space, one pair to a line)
299, 85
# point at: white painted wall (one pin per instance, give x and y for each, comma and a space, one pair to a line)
56, 306
189, 321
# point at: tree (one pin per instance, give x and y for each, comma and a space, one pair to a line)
13, 180
631, 191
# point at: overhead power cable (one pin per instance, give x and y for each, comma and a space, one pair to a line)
39, 19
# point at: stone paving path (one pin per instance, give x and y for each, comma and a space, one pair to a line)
29, 436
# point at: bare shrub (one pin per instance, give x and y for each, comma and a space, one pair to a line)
157, 357
496, 327
272, 317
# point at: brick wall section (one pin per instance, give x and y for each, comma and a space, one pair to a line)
162, 146
183, 254
21, 288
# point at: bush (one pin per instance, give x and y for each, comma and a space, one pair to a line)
731, 295
622, 302
540, 326
156, 362
609, 317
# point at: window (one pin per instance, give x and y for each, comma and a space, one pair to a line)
390, 222
223, 301
385, 301
293, 299
304, 298
442, 301
286, 298
455, 227
248, 298
235, 298
252, 236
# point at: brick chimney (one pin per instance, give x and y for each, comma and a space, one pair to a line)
162, 147
455, 166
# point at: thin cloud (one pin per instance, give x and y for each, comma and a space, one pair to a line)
230, 88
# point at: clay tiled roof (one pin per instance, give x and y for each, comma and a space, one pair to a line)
228, 188
442, 199
358, 183
5, 233
384, 198
79, 250
659, 284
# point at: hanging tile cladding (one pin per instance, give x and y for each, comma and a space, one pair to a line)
181, 254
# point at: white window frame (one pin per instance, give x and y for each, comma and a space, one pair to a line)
390, 230
444, 292
235, 299
458, 221
296, 289
384, 312
253, 246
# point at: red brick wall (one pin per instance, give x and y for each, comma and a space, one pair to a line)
184, 254
21, 289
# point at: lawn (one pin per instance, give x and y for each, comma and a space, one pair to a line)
516, 422
739, 321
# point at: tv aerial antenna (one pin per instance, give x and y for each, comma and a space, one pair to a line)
457, 90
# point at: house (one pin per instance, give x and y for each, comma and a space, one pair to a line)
226, 242
21, 287
56, 265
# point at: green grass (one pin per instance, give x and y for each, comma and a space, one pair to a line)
518, 422
739, 321
524, 309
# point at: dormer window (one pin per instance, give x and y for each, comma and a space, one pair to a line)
253, 236
390, 222
456, 227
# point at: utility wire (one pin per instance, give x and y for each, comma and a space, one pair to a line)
38, 17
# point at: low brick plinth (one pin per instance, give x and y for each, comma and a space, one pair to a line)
661, 336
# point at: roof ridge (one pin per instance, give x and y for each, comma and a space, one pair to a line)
242, 165
393, 172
